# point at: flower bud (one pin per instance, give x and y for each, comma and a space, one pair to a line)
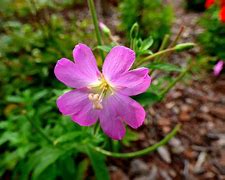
184, 46
104, 28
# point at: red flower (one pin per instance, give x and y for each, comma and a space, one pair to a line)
209, 3
222, 3
222, 14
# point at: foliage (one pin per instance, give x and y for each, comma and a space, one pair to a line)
28, 52
197, 5
213, 37
25, 7
154, 17
29, 152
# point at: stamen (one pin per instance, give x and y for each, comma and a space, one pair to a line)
97, 106
101, 89
91, 96
96, 97
102, 93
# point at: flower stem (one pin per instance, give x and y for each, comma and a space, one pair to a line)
143, 151
96, 25
154, 56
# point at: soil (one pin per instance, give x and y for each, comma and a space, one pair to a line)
198, 150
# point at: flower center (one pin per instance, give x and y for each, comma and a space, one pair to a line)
99, 90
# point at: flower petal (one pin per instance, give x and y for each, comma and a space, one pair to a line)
71, 75
72, 102
218, 68
87, 116
133, 82
118, 61
110, 120
131, 111
127, 109
85, 62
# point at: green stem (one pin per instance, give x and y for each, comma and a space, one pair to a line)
177, 37
154, 56
163, 46
96, 129
165, 42
143, 151
96, 25
173, 83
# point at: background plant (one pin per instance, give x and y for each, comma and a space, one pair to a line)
213, 37
154, 18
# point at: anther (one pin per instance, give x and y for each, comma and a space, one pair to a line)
97, 105
96, 97
91, 96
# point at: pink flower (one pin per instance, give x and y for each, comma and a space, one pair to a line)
218, 68
103, 96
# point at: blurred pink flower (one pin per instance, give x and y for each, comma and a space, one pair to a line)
218, 67
103, 96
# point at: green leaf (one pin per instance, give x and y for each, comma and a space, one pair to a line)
82, 169
39, 95
4, 125
129, 137
145, 52
105, 48
67, 166
164, 67
12, 137
147, 43
67, 137
98, 164
15, 99
44, 159
147, 98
